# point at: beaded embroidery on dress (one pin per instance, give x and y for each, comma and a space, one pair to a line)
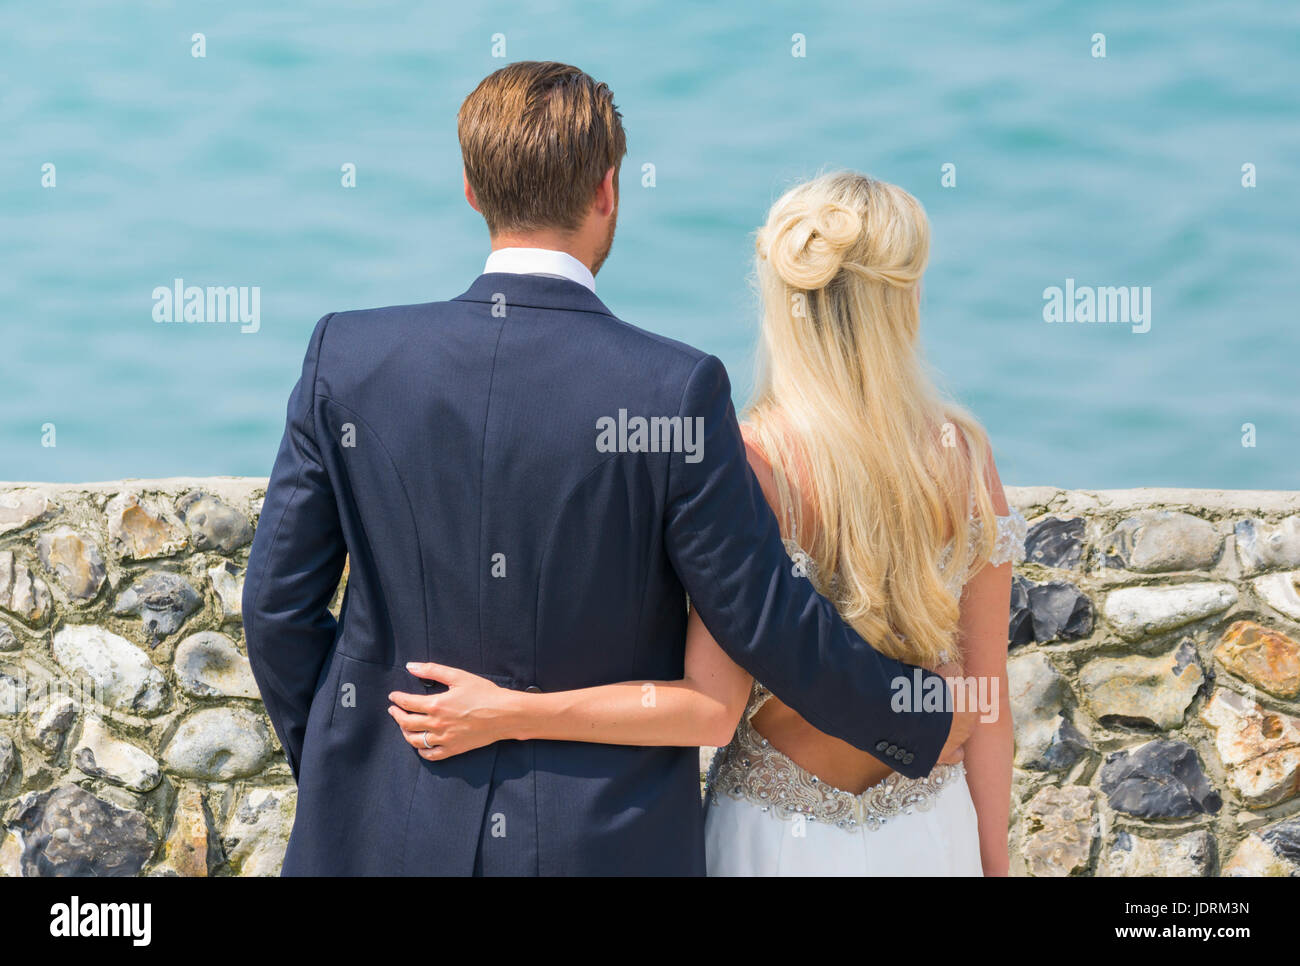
750, 768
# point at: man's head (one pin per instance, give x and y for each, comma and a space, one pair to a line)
542, 143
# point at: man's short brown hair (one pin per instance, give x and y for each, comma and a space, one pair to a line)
537, 138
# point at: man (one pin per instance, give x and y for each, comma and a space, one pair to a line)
451, 451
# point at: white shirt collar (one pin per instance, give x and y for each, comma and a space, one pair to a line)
540, 261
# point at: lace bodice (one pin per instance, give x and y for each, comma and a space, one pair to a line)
749, 767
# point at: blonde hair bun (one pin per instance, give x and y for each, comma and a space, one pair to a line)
806, 245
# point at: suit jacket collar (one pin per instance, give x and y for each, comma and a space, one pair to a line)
534, 291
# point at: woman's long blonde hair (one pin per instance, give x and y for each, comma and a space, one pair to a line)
850, 420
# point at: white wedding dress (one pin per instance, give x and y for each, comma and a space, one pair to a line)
766, 816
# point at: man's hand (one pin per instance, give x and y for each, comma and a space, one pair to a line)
963, 720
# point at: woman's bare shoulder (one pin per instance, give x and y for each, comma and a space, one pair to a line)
761, 465
996, 493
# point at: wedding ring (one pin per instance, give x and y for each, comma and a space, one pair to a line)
426, 740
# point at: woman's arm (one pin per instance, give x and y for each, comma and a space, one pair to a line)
985, 604
702, 708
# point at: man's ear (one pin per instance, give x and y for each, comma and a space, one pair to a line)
469, 192
606, 194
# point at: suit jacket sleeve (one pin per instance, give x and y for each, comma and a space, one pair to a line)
293, 569
726, 546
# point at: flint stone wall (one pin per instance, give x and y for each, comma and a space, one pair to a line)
1154, 674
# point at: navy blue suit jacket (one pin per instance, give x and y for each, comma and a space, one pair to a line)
439, 446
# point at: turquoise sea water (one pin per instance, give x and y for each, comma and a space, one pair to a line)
225, 170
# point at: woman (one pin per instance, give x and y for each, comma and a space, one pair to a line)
890, 503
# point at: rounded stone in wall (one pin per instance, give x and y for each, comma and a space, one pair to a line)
140, 529
1265, 546
1060, 830
209, 665
1160, 779
1184, 856
1056, 542
162, 601
219, 744
22, 508
1152, 692
1259, 748
1053, 611
67, 831
120, 673
214, 524
74, 561
1161, 541
1137, 612
1262, 656
99, 754
1168, 541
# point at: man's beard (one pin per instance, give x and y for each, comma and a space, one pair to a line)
603, 252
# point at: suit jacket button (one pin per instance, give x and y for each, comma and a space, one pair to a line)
533, 689
900, 754
881, 745
891, 749
907, 759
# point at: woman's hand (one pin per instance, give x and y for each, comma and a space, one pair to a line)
471, 713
